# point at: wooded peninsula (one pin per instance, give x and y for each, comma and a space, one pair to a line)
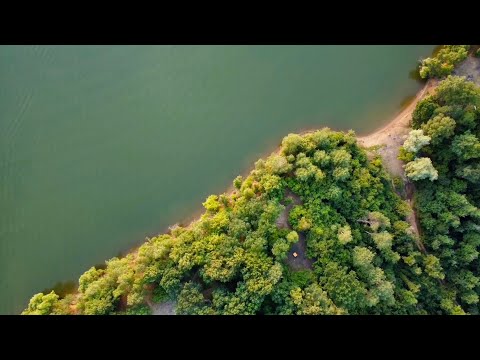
323, 227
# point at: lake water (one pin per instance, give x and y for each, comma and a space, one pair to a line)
101, 146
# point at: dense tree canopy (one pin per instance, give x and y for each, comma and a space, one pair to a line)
443, 63
323, 195
448, 208
234, 259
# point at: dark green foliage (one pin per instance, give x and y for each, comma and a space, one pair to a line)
448, 208
439, 128
423, 111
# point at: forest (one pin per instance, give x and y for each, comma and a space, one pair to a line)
443, 154
334, 203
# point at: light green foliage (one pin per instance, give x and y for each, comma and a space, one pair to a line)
321, 158
421, 168
439, 128
457, 91
233, 260
212, 204
292, 237
362, 257
345, 235
378, 220
190, 301
415, 141
280, 249
405, 155
341, 157
237, 183
383, 240
278, 164
433, 267
314, 301
89, 277
293, 144
41, 304
444, 62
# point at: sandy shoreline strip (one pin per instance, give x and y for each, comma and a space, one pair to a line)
402, 120
392, 135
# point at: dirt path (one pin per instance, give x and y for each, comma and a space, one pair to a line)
301, 261
470, 68
412, 218
391, 137
282, 221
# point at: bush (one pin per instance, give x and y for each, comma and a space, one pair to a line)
444, 62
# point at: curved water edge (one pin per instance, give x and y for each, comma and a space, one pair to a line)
101, 153
395, 127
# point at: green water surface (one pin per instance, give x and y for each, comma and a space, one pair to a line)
101, 146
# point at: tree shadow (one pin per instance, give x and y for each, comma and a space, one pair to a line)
62, 289
414, 74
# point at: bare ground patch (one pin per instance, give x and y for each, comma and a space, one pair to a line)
282, 221
470, 68
391, 137
299, 262
165, 308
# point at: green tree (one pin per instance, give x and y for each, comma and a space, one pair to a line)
237, 183
212, 204
292, 144
433, 267
314, 301
466, 146
415, 141
383, 240
423, 111
444, 61
421, 168
41, 304
345, 235
292, 237
362, 257
458, 90
190, 301
439, 128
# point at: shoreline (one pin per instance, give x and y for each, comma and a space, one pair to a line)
400, 120
391, 136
